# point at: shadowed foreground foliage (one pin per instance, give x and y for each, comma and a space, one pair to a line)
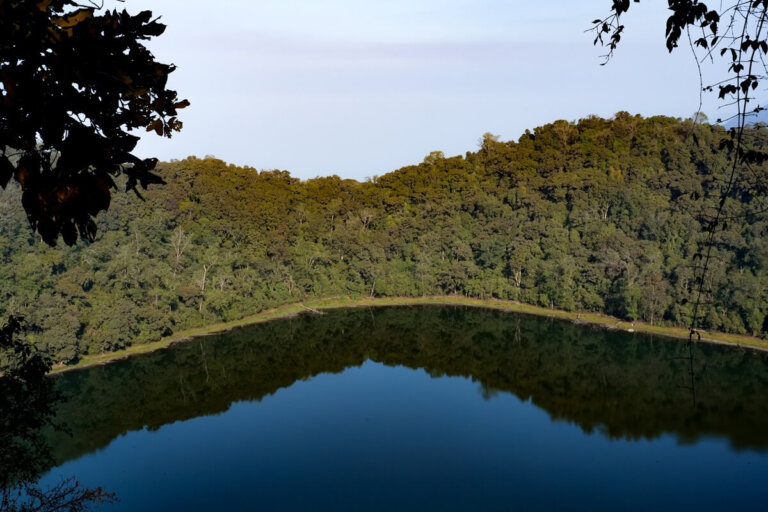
74, 82
27, 402
600, 215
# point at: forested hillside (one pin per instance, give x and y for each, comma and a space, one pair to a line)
599, 215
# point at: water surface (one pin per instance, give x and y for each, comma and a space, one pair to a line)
436, 408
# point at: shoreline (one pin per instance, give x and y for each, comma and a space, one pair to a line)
318, 305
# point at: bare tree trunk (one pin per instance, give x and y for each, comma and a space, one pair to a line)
179, 241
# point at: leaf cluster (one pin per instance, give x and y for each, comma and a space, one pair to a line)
73, 83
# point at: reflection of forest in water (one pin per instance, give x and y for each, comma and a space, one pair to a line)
623, 385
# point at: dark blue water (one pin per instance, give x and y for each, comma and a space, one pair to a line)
510, 413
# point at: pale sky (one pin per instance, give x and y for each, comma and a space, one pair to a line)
359, 88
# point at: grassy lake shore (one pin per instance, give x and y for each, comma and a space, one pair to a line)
316, 306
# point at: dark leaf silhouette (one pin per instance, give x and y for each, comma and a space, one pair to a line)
73, 83
27, 402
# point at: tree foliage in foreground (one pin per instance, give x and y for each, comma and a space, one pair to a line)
27, 402
73, 83
600, 215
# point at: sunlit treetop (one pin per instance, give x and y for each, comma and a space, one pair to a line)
74, 81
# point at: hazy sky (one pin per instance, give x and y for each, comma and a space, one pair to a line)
358, 88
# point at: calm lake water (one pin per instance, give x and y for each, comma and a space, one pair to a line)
423, 408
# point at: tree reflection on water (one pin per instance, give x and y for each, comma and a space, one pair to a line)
621, 385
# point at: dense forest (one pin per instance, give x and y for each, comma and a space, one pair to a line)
598, 215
